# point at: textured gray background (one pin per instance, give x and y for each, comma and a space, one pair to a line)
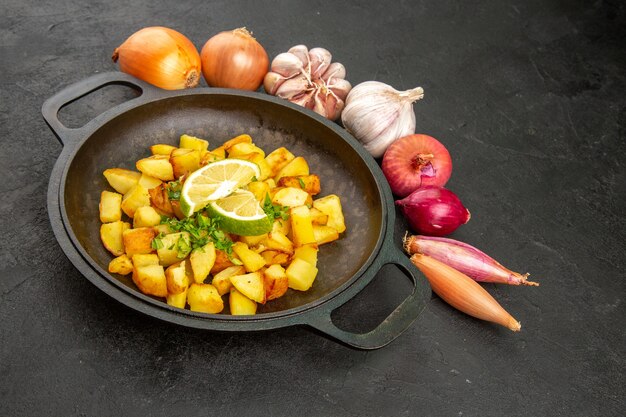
529, 98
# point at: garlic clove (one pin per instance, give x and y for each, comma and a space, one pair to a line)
335, 70
286, 64
339, 87
306, 99
292, 87
272, 81
302, 52
320, 60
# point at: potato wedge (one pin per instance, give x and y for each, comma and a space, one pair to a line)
324, 234
110, 207
277, 159
192, 142
273, 257
240, 305
275, 281
237, 139
184, 161
331, 205
146, 216
173, 247
142, 259
300, 274
221, 280
136, 197
291, 197
111, 236
251, 285
176, 278
157, 166
177, 300
202, 261
148, 182
161, 149
251, 260
296, 167
309, 183
121, 179
204, 298
150, 279
138, 240
159, 199
278, 241
301, 226
121, 265
307, 253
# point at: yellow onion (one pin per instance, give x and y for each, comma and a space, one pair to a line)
160, 56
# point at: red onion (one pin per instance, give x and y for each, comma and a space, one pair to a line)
434, 211
465, 258
415, 161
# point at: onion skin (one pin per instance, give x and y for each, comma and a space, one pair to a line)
465, 258
415, 161
234, 59
434, 211
160, 56
462, 292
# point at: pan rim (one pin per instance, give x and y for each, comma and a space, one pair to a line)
178, 315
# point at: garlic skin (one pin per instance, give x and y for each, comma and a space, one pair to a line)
378, 114
309, 79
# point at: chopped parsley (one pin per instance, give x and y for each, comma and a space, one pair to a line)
173, 190
302, 184
275, 211
202, 230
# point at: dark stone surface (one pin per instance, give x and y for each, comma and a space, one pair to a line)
529, 98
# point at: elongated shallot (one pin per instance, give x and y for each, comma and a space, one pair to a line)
465, 258
462, 292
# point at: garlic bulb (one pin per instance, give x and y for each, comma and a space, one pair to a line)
309, 79
378, 114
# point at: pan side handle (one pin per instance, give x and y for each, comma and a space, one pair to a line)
397, 322
51, 107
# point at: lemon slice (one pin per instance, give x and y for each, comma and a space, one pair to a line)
214, 181
240, 213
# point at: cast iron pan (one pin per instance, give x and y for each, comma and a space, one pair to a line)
121, 135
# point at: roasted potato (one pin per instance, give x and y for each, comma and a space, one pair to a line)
184, 161
202, 261
111, 236
251, 285
146, 216
221, 280
300, 274
324, 234
331, 205
122, 180
192, 142
162, 149
278, 241
138, 240
157, 166
150, 279
275, 281
176, 278
136, 197
110, 207
204, 298
291, 197
251, 260
277, 159
309, 183
148, 182
173, 248
121, 265
240, 305
301, 226
296, 167
159, 199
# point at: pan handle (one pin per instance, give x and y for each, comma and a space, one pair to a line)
51, 107
397, 322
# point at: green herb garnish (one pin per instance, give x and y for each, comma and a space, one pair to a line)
302, 184
202, 229
173, 190
275, 211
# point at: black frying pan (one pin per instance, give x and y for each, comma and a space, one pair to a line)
123, 134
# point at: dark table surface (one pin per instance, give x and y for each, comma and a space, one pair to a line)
529, 98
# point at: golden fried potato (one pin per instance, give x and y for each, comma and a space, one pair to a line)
111, 236
331, 205
150, 279
204, 298
121, 265
177, 300
184, 161
161, 149
221, 280
122, 180
307, 253
173, 248
277, 159
159, 199
146, 216
301, 226
202, 261
279, 242
251, 285
222, 261
240, 305
157, 166
192, 142
275, 281
300, 274
237, 139
110, 207
324, 234
309, 183
290, 197
148, 182
296, 167
138, 240
136, 197
176, 278
251, 260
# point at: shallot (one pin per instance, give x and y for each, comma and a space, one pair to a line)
462, 292
465, 258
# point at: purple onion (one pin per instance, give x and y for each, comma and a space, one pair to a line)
434, 211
